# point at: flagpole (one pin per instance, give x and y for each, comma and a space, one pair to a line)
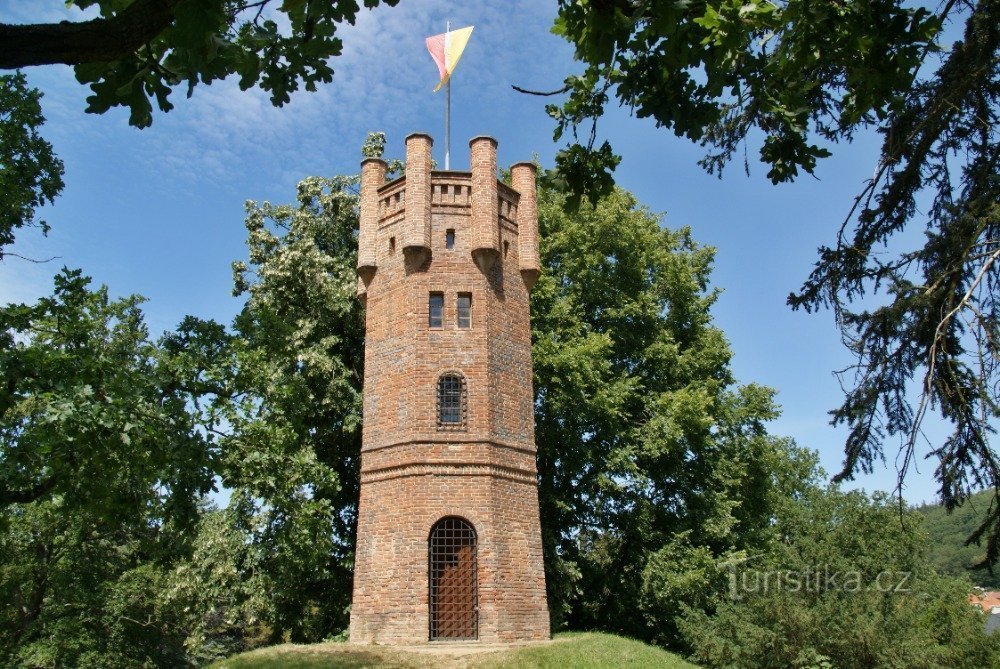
447, 106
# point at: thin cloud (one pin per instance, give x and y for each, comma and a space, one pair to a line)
33, 11
383, 80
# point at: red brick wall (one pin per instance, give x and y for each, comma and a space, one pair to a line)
413, 474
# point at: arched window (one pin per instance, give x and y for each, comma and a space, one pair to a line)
453, 580
451, 402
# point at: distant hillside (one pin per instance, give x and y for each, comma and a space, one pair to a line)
948, 531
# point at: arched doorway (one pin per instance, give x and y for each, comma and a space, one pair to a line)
453, 580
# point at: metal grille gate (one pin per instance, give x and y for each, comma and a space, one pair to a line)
453, 579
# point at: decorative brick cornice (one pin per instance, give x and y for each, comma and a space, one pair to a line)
518, 475
452, 438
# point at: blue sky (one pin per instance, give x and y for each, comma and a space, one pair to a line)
159, 211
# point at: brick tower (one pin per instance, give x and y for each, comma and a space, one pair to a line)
449, 544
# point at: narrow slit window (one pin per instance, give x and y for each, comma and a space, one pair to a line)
392, 245
449, 239
464, 310
451, 402
435, 310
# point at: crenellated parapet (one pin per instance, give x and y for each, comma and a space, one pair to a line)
485, 212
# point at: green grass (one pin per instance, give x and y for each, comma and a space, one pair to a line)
582, 650
587, 650
315, 656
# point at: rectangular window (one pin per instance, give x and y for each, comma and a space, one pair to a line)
451, 401
449, 239
464, 310
435, 310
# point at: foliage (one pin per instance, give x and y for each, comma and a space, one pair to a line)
30, 173
292, 454
803, 76
96, 414
849, 585
374, 147
130, 433
947, 548
104, 428
104, 454
655, 470
652, 462
82, 590
139, 51
274, 411
939, 325
639, 428
713, 69
219, 590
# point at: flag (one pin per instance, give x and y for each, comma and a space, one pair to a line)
446, 49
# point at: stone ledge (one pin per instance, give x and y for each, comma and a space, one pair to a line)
517, 475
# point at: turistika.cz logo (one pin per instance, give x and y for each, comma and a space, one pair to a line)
815, 579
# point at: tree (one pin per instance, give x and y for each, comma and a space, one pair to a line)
84, 590
106, 448
656, 470
947, 532
140, 50
805, 76
652, 462
30, 173
94, 413
109, 441
220, 591
292, 456
848, 585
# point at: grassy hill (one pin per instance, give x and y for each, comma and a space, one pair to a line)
948, 532
584, 650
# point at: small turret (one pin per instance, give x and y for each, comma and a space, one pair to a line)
485, 226
522, 177
372, 177
417, 226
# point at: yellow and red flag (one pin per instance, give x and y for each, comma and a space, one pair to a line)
446, 49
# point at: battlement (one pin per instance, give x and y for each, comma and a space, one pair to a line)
479, 205
448, 189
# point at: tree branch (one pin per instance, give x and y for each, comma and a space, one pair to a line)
96, 41
8, 254
564, 89
8, 496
